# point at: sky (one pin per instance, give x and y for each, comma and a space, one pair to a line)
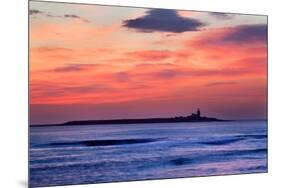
105, 62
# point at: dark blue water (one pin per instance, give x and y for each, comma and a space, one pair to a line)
65, 155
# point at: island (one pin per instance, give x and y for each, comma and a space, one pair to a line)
194, 117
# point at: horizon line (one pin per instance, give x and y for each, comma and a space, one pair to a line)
85, 120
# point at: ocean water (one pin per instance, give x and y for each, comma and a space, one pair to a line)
64, 155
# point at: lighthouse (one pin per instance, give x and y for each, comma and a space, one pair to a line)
198, 113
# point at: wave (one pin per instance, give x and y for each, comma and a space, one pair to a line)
218, 156
153, 162
233, 139
252, 136
222, 142
92, 143
261, 168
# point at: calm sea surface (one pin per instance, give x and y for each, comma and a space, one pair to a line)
63, 155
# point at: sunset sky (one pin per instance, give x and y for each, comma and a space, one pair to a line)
104, 62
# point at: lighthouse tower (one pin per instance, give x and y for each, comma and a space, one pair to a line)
198, 113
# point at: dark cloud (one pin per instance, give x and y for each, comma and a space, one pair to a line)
87, 88
175, 73
71, 16
122, 76
53, 16
246, 34
220, 83
75, 68
160, 20
238, 35
53, 49
56, 90
222, 16
170, 73
221, 72
34, 11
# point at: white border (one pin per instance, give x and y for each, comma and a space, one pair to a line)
14, 104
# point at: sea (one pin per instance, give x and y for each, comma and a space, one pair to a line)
87, 154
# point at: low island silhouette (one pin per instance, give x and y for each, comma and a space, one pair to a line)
194, 117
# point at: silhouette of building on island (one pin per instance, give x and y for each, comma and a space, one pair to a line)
197, 115
198, 112
194, 117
